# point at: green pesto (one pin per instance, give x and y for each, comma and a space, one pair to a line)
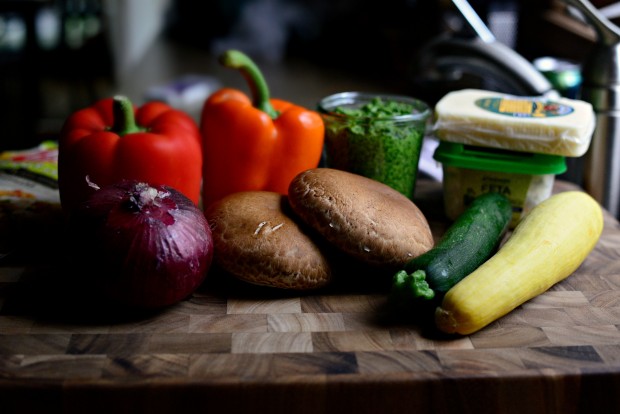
372, 141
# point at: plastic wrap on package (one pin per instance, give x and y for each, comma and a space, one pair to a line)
30, 210
528, 124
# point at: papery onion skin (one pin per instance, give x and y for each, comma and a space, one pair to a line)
146, 246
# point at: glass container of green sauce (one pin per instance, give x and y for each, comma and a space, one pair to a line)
378, 136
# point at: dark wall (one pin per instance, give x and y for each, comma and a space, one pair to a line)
377, 39
372, 37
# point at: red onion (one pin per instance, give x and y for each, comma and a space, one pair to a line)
148, 246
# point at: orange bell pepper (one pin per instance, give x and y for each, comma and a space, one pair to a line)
259, 144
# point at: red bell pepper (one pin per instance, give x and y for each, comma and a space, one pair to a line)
111, 141
255, 145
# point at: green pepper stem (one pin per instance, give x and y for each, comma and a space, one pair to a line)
124, 119
235, 59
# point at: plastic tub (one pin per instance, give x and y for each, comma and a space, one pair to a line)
468, 171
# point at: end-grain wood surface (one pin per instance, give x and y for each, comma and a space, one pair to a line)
240, 348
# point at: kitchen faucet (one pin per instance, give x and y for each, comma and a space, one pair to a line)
601, 87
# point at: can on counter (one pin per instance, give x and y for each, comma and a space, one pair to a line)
564, 75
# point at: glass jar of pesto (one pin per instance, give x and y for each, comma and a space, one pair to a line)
378, 136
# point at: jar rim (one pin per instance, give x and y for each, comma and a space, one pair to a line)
329, 103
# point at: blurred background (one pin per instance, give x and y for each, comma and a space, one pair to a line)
57, 56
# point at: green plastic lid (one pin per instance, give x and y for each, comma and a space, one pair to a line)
498, 160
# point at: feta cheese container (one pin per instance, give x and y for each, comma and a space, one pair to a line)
524, 178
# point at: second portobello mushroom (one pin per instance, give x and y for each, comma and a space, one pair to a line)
367, 220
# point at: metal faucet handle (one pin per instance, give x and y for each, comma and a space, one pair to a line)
475, 22
607, 32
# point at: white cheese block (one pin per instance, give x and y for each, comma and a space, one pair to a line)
529, 124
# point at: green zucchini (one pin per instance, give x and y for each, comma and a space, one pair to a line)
471, 239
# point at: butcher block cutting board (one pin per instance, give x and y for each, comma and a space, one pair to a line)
240, 348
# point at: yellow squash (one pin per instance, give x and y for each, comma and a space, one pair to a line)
548, 245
